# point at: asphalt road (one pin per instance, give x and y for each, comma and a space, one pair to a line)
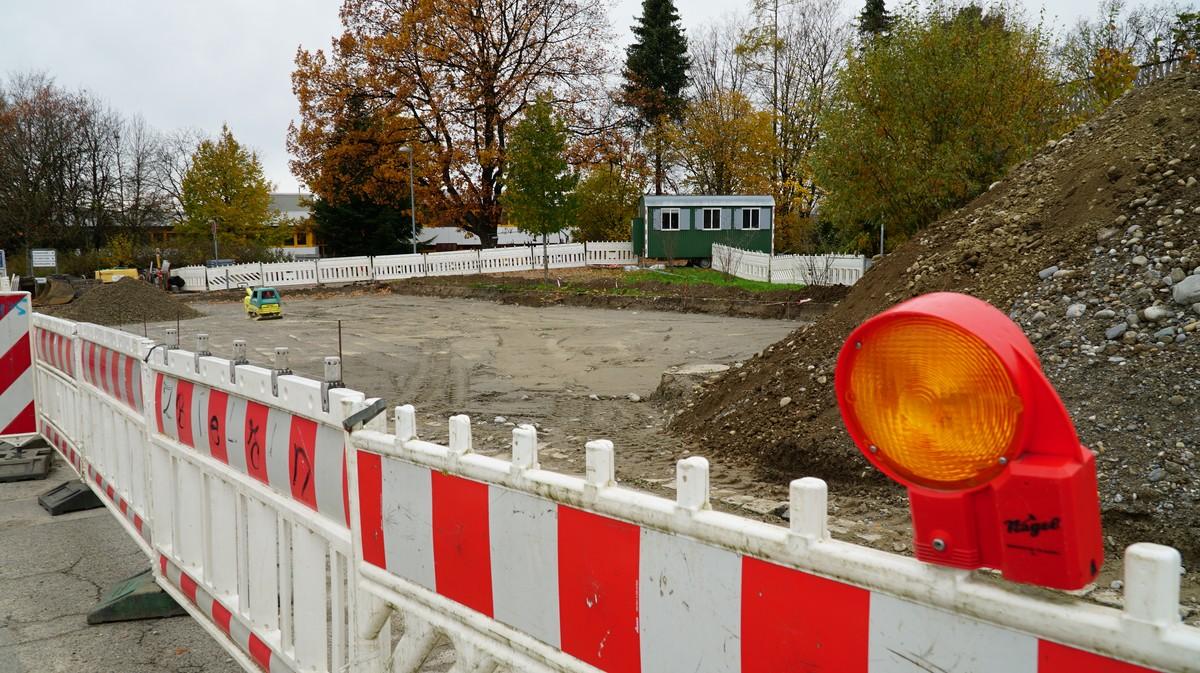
53, 571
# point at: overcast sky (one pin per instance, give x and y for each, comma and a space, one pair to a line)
198, 63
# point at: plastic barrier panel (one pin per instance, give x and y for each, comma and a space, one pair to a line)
396, 267
248, 472
17, 414
344, 270
798, 269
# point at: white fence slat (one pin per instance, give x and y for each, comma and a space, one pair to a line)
499, 260
287, 630
610, 253
163, 499
285, 274
339, 645
262, 565
344, 269
309, 599
188, 533
456, 263
222, 559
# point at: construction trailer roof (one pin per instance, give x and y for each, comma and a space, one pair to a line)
697, 200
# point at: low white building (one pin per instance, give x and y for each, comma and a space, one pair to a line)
446, 237
297, 211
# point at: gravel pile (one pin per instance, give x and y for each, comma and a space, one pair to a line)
127, 301
1093, 247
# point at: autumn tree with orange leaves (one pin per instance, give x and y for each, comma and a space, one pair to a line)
448, 79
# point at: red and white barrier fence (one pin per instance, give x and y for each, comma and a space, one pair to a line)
231, 477
554, 570
17, 415
294, 543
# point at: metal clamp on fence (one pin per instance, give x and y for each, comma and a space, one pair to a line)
239, 358
201, 351
281, 368
172, 343
360, 417
333, 379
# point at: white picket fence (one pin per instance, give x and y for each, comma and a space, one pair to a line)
294, 525
337, 270
797, 269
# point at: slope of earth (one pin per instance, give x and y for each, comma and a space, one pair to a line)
1093, 247
124, 302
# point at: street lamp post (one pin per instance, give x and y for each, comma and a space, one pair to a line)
412, 202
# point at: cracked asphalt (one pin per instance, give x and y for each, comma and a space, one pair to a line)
53, 571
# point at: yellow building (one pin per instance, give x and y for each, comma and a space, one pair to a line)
297, 212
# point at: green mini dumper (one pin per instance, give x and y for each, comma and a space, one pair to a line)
263, 302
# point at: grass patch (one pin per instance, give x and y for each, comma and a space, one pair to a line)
644, 282
694, 276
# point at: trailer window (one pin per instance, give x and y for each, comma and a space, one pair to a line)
670, 219
750, 218
712, 218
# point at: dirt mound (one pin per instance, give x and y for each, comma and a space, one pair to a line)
1092, 246
124, 302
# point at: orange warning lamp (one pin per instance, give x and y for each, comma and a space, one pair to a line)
946, 395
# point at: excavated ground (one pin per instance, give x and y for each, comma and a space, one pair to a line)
1093, 247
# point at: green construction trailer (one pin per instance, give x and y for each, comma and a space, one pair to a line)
686, 227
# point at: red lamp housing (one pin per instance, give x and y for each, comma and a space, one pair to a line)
945, 395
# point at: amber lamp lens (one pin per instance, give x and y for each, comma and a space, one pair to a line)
934, 401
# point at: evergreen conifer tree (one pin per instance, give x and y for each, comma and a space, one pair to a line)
656, 73
874, 19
